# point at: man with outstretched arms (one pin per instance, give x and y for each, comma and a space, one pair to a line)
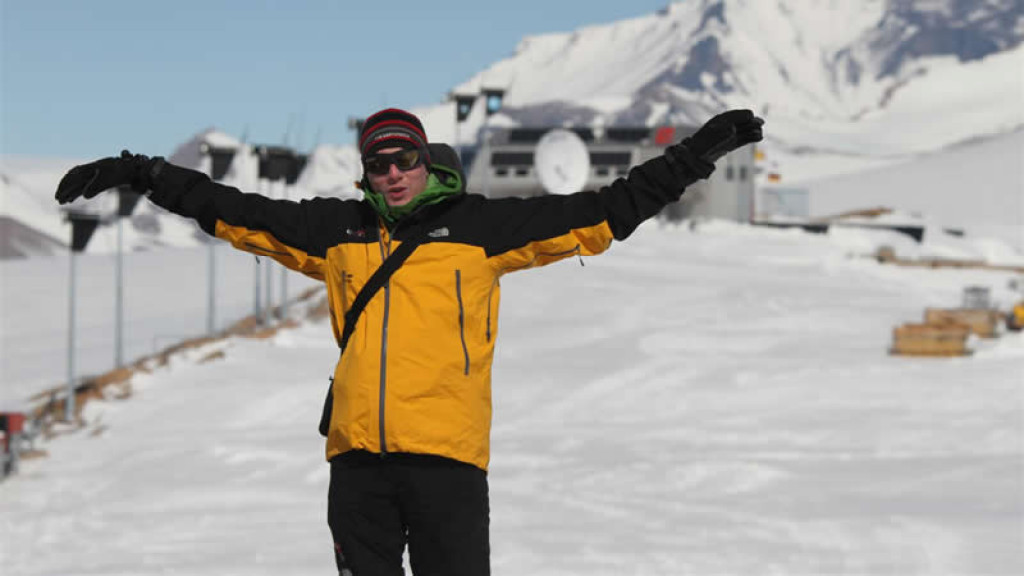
409, 412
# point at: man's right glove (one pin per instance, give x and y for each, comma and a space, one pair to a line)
90, 179
716, 138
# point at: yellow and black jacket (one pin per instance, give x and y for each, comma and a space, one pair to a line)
416, 373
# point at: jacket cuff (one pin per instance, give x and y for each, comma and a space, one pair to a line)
168, 182
145, 172
681, 156
180, 191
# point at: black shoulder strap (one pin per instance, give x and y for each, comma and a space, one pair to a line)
379, 278
440, 153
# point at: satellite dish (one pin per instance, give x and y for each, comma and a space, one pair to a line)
562, 162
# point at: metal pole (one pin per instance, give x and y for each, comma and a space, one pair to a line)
256, 287
268, 309
283, 311
486, 159
211, 288
119, 296
69, 406
256, 274
211, 284
753, 185
14, 450
458, 147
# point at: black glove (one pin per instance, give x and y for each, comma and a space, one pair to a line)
716, 138
90, 179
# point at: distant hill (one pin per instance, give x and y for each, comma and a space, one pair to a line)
19, 241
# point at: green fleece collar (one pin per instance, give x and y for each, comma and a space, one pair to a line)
442, 182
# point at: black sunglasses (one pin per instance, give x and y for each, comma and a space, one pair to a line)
380, 164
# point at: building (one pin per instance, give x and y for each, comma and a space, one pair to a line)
503, 165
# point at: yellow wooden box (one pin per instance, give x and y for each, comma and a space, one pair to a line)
930, 340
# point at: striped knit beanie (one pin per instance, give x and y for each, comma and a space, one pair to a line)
392, 128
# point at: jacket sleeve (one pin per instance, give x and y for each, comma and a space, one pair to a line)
280, 229
529, 232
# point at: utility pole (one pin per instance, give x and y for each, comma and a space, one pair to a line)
127, 199
220, 163
493, 100
82, 227
295, 167
275, 162
463, 107
355, 124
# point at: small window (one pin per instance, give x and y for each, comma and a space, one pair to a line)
627, 134
729, 173
501, 171
525, 135
622, 171
511, 158
743, 173
522, 171
602, 171
610, 158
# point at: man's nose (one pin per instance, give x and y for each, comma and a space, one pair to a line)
393, 172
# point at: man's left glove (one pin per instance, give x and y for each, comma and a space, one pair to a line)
716, 138
90, 179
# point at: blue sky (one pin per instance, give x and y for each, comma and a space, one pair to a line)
87, 78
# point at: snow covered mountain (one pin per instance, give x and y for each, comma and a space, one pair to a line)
864, 78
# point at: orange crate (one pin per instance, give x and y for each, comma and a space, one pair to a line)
981, 322
930, 340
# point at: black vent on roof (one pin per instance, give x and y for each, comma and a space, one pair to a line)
585, 134
512, 159
610, 158
627, 134
525, 135
533, 135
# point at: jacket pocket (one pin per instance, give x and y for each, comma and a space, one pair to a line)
462, 319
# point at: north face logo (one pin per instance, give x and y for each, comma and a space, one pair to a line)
441, 232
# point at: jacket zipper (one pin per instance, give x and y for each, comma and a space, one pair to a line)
575, 250
462, 319
265, 250
384, 344
490, 296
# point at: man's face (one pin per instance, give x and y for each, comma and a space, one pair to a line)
398, 187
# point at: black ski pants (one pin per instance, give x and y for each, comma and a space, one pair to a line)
438, 506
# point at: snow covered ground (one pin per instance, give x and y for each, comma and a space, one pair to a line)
707, 400
716, 400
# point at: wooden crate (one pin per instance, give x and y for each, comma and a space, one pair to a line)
982, 322
930, 340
